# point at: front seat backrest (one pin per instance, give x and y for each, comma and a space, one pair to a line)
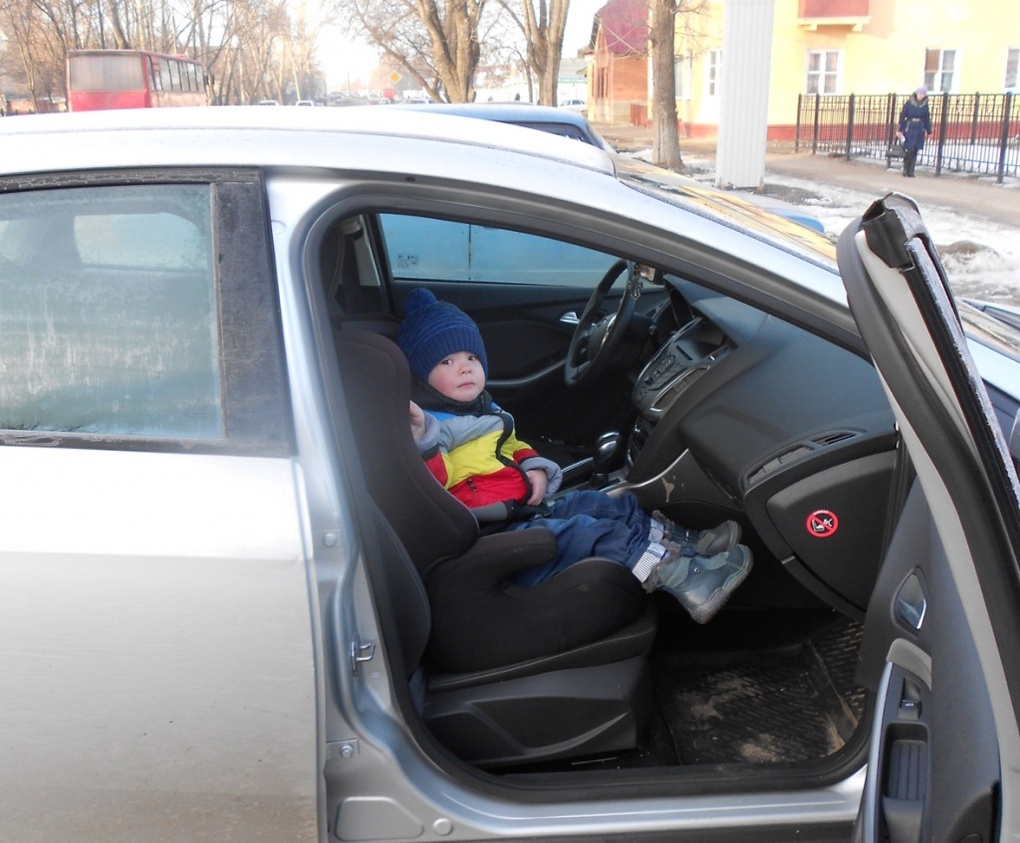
430, 522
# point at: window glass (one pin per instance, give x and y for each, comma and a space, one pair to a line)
175, 75
166, 83
109, 321
1012, 61
940, 70
682, 76
106, 73
713, 66
421, 249
155, 80
823, 72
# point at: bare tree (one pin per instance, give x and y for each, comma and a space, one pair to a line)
35, 43
543, 27
436, 41
252, 46
661, 41
663, 37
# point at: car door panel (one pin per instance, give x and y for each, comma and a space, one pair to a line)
159, 655
934, 760
174, 589
947, 595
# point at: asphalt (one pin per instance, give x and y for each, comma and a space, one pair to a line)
974, 196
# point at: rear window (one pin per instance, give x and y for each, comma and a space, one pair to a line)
108, 312
106, 73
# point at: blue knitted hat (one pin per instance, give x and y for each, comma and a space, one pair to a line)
433, 330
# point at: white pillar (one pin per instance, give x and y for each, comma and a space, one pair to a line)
744, 92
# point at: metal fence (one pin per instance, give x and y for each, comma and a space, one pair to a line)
972, 133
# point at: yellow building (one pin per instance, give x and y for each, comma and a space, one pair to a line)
852, 46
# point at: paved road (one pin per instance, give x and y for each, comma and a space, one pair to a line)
969, 195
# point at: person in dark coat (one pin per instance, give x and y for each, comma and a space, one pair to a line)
914, 128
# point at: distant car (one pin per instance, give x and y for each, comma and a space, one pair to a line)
236, 606
308, 103
269, 102
556, 121
580, 106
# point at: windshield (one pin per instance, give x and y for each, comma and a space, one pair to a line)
992, 325
732, 209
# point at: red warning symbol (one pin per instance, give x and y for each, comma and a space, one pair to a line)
822, 523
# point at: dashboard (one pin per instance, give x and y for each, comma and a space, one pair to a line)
795, 431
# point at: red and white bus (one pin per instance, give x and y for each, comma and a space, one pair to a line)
98, 79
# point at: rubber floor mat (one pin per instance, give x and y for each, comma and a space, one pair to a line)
794, 703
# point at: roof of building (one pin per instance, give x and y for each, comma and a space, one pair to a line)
624, 26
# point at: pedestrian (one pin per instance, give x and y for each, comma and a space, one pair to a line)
914, 128
471, 447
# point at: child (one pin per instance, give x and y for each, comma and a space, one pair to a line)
469, 444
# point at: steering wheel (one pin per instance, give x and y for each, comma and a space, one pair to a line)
594, 338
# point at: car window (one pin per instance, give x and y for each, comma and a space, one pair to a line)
422, 249
109, 318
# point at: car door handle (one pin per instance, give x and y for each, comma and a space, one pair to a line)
911, 602
570, 318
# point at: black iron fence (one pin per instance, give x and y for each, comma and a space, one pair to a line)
972, 133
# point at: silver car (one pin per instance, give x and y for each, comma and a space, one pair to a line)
235, 605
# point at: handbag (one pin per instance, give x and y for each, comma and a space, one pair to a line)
895, 150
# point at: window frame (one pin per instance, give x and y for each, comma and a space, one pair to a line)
935, 76
823, 73
682, 76
253, 388
1011, 79
713, 72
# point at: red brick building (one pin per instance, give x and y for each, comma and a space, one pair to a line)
618, 75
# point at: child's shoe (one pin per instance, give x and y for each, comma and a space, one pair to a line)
699, 542
702, 584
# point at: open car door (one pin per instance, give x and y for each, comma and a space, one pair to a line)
942, 633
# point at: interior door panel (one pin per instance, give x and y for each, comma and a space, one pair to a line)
941, 628
934, 764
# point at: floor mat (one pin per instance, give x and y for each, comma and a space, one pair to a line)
793, 703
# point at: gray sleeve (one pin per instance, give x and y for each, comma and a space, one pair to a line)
552, 470
430, 438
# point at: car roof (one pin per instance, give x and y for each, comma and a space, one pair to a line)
255, 136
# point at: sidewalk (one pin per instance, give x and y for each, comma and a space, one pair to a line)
976, 197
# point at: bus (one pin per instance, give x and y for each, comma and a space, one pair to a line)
98, 79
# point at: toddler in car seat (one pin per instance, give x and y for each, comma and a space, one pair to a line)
470, 446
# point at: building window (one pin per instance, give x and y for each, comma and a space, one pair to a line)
682, 77
823, 71
1012, 60
940, 68
713, 66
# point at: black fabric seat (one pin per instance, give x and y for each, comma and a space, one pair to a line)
512, 674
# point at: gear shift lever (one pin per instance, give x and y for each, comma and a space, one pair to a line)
606, 447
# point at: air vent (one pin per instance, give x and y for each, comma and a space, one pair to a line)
796, 452
827, 439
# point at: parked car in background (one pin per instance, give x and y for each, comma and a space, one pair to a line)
237, 606
307, 103
580, 106
269, 102
542, 117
